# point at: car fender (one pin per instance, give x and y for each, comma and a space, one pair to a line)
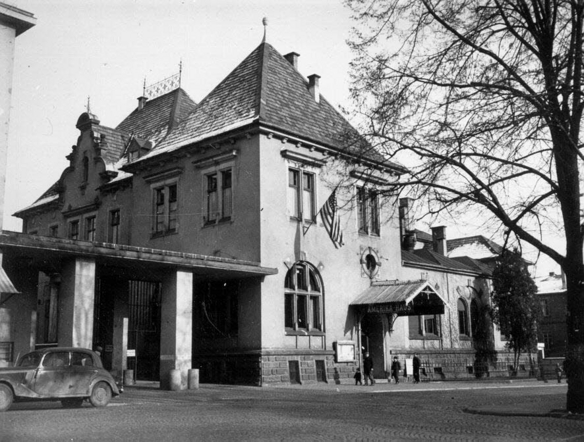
18, 389
110, 382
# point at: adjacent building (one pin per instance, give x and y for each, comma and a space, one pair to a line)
247, 236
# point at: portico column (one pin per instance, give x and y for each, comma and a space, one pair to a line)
176, 333
76, 302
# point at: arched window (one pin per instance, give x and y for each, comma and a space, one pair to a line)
463, 328
303, 298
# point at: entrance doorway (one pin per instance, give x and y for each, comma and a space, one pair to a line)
372, 342
144, 328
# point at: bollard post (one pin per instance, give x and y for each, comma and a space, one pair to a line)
175, 383
193, 379
129, 377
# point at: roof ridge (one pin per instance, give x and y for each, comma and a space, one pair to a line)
263, 78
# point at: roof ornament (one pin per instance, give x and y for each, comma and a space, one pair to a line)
88, 105
179, 72
163, 87
265, 23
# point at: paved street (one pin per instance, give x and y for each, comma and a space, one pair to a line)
328, 412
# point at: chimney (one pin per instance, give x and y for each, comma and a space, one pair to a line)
292, 58
406, 225
439, 240
142, 102
313, 86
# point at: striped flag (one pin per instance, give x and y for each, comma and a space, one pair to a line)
330, 219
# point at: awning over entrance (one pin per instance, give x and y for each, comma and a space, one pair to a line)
402, 298
6, 286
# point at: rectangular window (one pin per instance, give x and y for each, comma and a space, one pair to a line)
294, 193
90, 228
308, 196
289, 311
301, 195
430, 325
316, 321
114, 227
226, 195
74, 230
54, 231
302, 309
545, 311
166, 209
219, 204
368, 211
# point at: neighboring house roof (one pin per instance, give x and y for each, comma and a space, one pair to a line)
429, 258
477, 247
266, 89
551, 283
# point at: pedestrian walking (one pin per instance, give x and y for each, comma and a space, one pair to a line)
416, 363
358, 377
368, 369
395, 369
558, 370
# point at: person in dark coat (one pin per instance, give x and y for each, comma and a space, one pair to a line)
416, 364
395, 369
358, 377
368, 369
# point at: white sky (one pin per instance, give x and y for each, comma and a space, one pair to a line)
103, 49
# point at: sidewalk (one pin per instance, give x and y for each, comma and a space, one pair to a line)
554, 407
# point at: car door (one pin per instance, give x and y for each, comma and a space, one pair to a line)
51, 378
83, 371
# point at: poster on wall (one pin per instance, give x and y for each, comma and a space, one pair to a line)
345, 351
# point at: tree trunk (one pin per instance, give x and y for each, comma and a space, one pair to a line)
574, 364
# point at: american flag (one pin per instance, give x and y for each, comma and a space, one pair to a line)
330, 219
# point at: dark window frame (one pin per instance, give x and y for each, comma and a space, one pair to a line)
303, 299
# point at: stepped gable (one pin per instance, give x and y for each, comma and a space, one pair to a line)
265, 88
158, 115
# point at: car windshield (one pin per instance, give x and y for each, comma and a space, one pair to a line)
30, 360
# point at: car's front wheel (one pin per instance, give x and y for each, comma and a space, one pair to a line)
6, 397
100, 395
73, 402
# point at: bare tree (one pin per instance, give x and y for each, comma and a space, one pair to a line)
482, 100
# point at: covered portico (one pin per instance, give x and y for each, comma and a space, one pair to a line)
388, 300
73, 269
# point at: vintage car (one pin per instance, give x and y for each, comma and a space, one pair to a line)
70, 375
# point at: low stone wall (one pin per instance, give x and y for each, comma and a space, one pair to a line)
270, 368
463, 365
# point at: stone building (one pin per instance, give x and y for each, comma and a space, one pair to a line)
244, 235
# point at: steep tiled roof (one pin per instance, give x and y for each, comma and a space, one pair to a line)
115, 144
266, 89
157, 115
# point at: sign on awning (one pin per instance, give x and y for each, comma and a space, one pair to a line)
409, 298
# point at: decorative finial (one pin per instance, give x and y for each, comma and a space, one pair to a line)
179, 72
144, 88
265, 23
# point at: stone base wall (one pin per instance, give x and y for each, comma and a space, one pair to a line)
285, 369
463, 365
